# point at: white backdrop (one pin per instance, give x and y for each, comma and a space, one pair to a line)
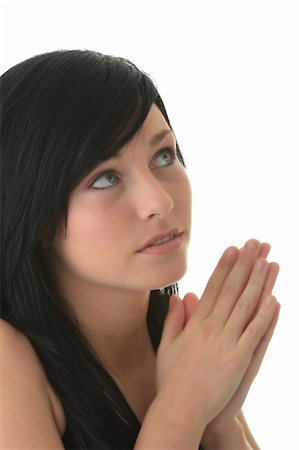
228, 73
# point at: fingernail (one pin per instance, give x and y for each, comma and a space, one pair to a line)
269, 301
260, 265
232, 254
252, 245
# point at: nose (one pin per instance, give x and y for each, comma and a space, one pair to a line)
151, 197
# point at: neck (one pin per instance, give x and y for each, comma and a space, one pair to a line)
113, 321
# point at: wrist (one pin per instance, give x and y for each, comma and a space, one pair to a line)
225, 435
168, 426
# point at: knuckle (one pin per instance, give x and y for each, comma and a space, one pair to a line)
229, 288
207, 330
212, 287
233, 359
242, 306
253, 333
213, 320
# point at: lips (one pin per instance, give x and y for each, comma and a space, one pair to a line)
158, 237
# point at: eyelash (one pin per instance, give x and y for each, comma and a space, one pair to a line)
173, 157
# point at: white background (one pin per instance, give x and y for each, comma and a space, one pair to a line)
228, 73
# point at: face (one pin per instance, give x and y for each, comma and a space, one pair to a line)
122, 204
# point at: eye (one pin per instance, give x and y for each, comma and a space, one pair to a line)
167, 155
104, 180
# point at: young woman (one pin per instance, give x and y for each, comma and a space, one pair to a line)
98, 350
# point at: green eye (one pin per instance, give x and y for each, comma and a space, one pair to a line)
168, 155
104, 181
108, 179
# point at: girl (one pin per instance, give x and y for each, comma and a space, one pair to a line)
98, 350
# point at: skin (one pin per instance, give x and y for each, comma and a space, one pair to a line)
96, 265
211, 348
232, 416
227, 332
107, 283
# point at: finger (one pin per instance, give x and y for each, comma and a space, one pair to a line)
174, 321
270, 282
215, 283
255, 362
265, 250
271, 279
190, 302
256, 329
248, 301
235, 282
219, 275
261, 349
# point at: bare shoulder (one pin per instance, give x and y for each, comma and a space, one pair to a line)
17, 352
30, 412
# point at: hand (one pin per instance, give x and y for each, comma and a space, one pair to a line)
222, 422
202, 362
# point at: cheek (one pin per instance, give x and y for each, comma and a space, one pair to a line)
84, 233
88, 249
87, 217
88, 230
93, 228
183, 193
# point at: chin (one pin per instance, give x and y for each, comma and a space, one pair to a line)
167, 279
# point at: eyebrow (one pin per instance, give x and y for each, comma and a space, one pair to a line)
157, 138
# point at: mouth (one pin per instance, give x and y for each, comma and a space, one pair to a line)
163, 242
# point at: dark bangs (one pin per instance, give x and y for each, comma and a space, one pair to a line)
70, 111
115, 103
62, 114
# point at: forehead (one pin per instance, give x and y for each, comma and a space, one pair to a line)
154, 127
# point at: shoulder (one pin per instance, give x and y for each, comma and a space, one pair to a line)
25, 388
18, 353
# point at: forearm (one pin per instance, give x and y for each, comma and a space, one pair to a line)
164, 429
247, 431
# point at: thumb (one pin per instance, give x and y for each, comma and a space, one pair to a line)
174, 322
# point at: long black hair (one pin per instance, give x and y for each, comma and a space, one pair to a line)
62, 113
